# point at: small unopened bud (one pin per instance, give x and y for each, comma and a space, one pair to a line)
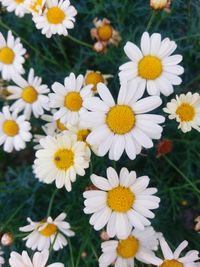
83, 254
7, 239
104, 236
165, 146
159, 4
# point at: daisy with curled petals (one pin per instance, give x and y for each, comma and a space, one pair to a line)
173, 259
69, 98
123, 252
152, 66
57, 17
11, 56
14, 130
47, 232
123, 125
17, 6
30, 95
39, 260
121, 202
186, 110
61, 158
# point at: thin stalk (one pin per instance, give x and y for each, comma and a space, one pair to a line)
79, 42
151, 20
51, 202
71, 253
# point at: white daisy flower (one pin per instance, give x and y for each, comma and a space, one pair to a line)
16, 6
11, 56
53, 126
57, 17
39, 260
69, 98
2, 261
124, 252
122, 202
186, 110
173, 259
30, 95
47, 232
60, 159
121, 126
152, 66
35, 6
14, 130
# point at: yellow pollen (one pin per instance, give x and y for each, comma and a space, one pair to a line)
60, 126
94, 78
64, 159
150, 67
186, 112
73, 101
19, 1
55, 15
171, 263
10, 128
49, 230
105, 32
7, 55
120, 119
120, 199
127, 248
82, 134
29, 94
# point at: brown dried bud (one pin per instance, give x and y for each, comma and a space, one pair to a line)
7, 239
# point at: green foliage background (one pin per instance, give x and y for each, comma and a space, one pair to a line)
177, 175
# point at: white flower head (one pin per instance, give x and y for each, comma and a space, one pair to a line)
123, 125
14, 130
35, 6
39, 260
185, 109
47, 232
152, 66
69, 98
57, 17
121, 202
11, 56
17, 6
173, 259
29, 95
123, 252
61, 158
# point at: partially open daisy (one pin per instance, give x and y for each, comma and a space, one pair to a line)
152, 66
95, 77
61, 158
123, 252
57, 17
121, 202
69, 98
186, 110
123, 125
39, 260
53, 126
30, 95
47, 232
14, 130
11, 56
160, 4
35, 6
16, 6
173, 259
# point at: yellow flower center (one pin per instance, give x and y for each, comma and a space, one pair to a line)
150, 67
10, 128
64, 159
35, 6
171, 263
82, 134
186, 112
19, 1
127, 248
55, 15
105, 32
29, 94
73, 101
60, 126
7, 55
120, 119
94, 78
49, 230
120, 199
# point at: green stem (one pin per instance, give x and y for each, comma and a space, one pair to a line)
71, 253
79, 42
187, 37
52, 245
51, 202
151, 20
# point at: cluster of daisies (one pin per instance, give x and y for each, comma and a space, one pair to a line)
81, 117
